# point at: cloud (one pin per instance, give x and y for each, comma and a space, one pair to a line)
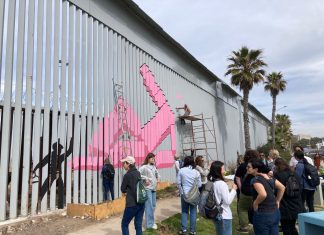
290, 32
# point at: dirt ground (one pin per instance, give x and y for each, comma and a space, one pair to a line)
50, 224
59, 223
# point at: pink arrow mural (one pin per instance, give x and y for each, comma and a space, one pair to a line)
144, 139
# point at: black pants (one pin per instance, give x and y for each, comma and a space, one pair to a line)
308, 196
288, 227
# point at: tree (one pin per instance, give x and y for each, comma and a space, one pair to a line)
275, 84
314, 141
246, 70
309, 143
305, 143
283, 130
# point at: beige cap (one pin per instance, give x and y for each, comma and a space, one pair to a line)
129, 159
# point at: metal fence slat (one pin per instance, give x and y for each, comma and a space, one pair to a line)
83, 108
27, 141
92, 50
55, 152
2, 8
28, 110
76, 134
38, 43
69, 161
65, 142
95, 132
17, 125
6, 75
46, 157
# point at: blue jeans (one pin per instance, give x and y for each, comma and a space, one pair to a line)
185, 208
266, 223
223, 226
108, 186
150, 205
129, 214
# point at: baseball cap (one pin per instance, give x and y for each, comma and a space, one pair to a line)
129, 159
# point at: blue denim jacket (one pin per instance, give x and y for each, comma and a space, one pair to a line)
300, 171
186, 179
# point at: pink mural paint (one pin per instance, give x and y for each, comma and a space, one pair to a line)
144, 139
179, 97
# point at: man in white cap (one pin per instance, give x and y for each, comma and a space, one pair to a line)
128, 188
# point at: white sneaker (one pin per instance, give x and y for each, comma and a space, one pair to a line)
154, 226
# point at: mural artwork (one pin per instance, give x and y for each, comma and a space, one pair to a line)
55, 160
144, 138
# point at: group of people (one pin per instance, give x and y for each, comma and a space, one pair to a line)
278, 184
259, 184
147, 174
194, 173
270, 191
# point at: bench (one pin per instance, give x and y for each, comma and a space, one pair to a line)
311, 223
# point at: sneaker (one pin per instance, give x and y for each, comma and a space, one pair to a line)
182, 232
192, 233
154, 226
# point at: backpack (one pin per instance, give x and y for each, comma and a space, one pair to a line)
311, 175
109, 172
208, 207
193, 196
246, 187
181, 162
292, 186
141, 193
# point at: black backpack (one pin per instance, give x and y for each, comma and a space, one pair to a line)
208, 207
109, 173
292, 186
180, 163
311, 175
246, 187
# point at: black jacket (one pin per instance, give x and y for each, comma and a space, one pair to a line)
289, 207
128, 186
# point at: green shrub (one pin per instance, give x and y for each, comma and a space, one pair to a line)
284, 153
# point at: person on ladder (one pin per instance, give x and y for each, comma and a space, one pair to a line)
187, 112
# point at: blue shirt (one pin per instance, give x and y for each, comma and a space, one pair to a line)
186, 179
300, 173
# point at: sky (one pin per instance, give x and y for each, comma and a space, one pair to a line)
290, 33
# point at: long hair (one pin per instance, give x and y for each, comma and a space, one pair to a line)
199, 160
148, 156
281, 165
189, 161
215, 171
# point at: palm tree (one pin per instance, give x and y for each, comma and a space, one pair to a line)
275, 84
283, 130
246, 70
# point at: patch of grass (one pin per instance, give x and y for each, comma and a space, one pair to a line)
151, 232
204, 226
169, 191
173, 224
